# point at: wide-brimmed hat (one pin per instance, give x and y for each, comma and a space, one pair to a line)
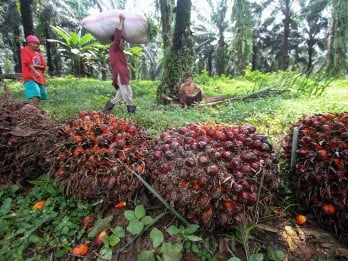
32, 39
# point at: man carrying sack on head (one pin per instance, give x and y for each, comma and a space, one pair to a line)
120, 72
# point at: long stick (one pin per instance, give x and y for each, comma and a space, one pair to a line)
294, 147
165, 203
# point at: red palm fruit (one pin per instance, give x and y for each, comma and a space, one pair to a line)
213, 169
203, 160
243, 197
99, 239
220, 135
203, 180
252, 198
211, 132
87, 222
190, 162
229, 135
120, 205
217, 155
237, 188
202, 145
328, 209
226, 155
322, 154
230, 207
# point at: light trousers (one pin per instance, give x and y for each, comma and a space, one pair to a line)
124, 92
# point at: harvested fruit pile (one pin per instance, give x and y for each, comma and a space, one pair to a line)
320, 175
215, 175
26, 135
95, 156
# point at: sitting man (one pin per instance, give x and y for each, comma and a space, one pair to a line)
187, 95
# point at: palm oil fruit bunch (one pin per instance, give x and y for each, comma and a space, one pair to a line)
320, 172
96, 156
26, 134
215, 175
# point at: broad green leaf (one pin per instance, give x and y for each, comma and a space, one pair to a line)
118, 231
59, 253
147, 220
280, 255
61, 32
256, 257
172, 230
74, 39
86, 39
195, 249
114, 240
6, 206
194, 238
34, 239
171, 251
139, 211
187, 244
129, 215
157, 237
146, 255
192, 228
106, 253
135, 227
234, 259
274, 254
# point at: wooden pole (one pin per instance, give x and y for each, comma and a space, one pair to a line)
294, 146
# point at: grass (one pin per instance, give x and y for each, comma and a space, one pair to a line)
272, 115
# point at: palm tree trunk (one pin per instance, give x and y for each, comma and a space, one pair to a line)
27, 17
166, 8
284, 49
179, 58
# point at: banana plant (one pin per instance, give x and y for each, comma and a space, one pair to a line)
77, 49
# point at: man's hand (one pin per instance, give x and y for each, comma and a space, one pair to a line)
121, 16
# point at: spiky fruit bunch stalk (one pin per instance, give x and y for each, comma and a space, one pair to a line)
26, 134
96, 154
320, 174
213, 174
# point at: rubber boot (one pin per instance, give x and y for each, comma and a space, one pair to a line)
108, 107
131, 108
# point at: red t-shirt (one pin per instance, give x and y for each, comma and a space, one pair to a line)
118, 60
35, 58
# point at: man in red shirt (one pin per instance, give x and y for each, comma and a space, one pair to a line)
120, 72
33, 67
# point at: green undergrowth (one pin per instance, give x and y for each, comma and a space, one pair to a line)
27, 234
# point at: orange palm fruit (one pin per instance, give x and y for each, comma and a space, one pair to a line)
39, 205
99, 239
276, 211
300, 219
80, 250
120, 205
328, 209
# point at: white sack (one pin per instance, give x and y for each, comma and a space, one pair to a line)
102, 26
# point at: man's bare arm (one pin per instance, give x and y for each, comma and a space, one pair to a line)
120, 25
199, 88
